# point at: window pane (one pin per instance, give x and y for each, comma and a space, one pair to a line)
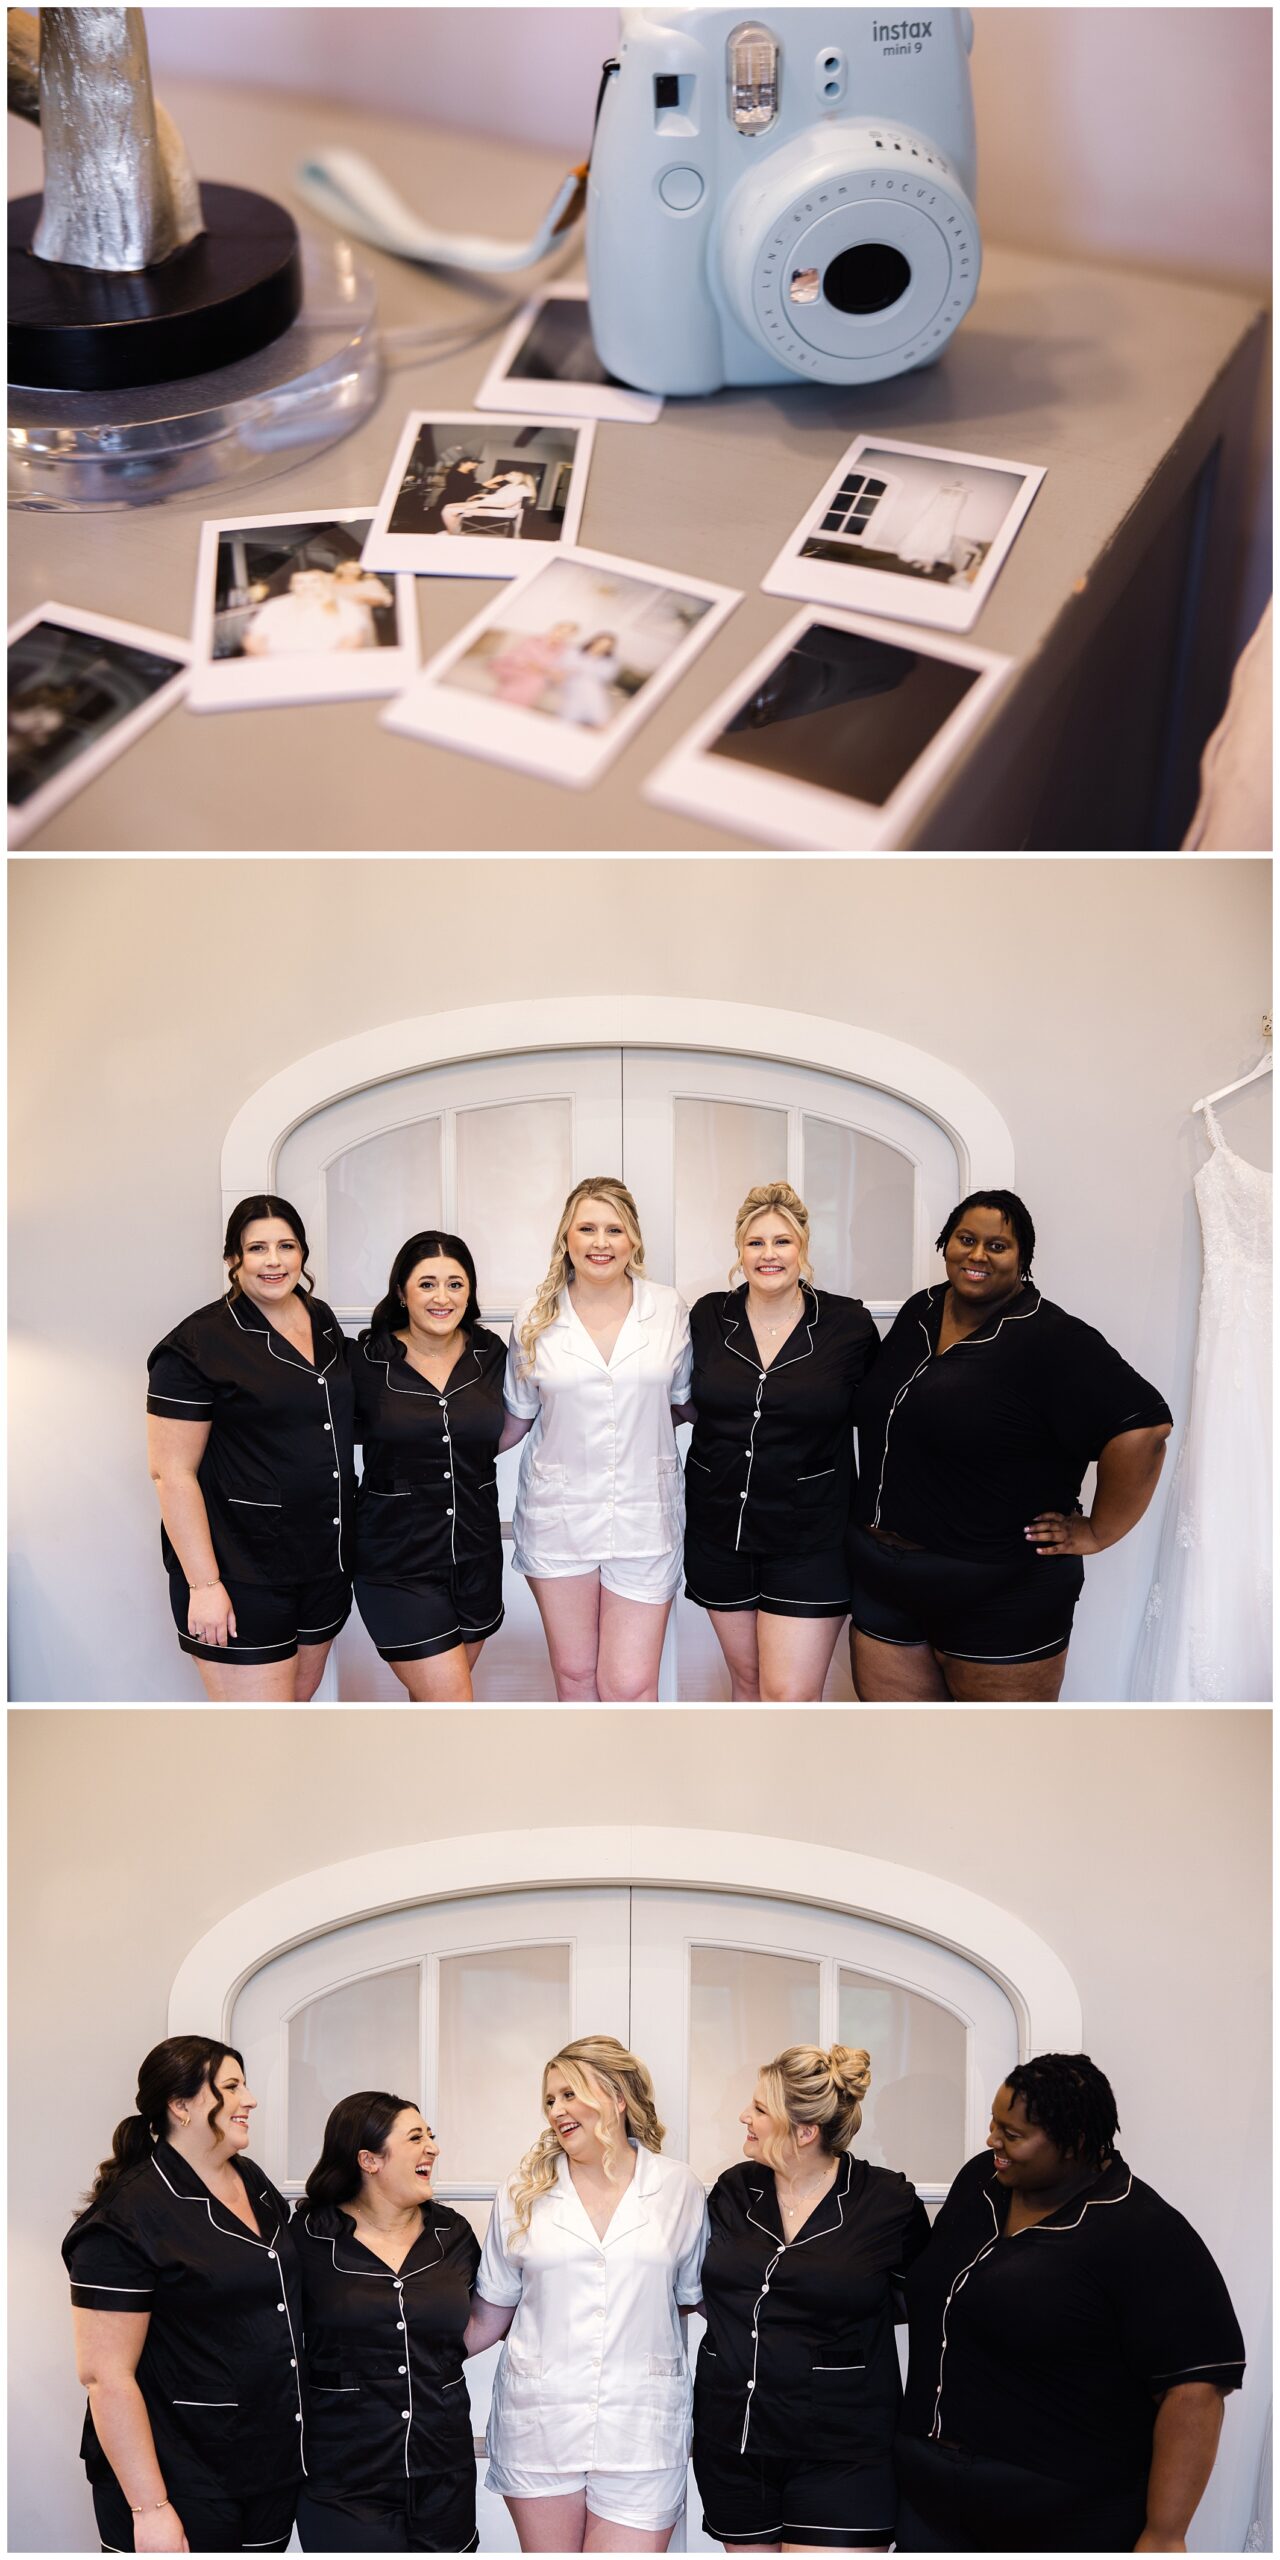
861, 1200
376, 1194
722, 1151
364, 2035
503, 2013
515, 1168
913, 2114
744, 2008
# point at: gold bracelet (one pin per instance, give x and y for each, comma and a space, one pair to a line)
145, 2510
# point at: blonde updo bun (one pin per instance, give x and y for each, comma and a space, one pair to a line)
804, 2085
789, 1206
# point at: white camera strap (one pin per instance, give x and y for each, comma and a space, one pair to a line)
349, 191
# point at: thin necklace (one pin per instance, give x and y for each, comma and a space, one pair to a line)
796, 1314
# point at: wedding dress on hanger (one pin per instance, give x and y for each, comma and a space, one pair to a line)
1207, 1632
933, 532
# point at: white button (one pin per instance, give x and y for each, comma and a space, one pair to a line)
449, 1513
404, 2413
293, 2362
400, 2368
279, 2306
751, 2386
328, 1426
335, 1475
336, 1521
399, 2284
441, 1402
399, 2324
298, 2418
271, 2253
742, 1497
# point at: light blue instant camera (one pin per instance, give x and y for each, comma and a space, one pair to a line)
782, 198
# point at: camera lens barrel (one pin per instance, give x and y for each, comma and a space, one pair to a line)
852, 254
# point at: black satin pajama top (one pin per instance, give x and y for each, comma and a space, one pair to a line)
386, 2399
961, 1451
428, 1495
770, 1466
220, 2369
1050, 2350
278, 1472
799, 2356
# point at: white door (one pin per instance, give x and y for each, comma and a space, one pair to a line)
488, 1149
458, 2005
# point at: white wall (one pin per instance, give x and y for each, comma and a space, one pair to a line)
1135, 1842
1091, 1001
1091, 122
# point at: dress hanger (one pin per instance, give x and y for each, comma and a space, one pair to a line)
1263, 1068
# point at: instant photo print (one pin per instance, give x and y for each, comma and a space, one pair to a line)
479, 497
82, 687
835, 736
286, 612
557, 674
548, 363
909, 531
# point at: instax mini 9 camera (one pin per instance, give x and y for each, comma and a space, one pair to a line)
781, 198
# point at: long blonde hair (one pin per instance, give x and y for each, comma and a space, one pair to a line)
804, 2085
546, 1306
594, 2066
789, 1205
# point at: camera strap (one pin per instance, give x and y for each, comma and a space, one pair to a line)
348, 190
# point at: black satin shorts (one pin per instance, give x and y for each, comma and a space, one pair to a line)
1012, 1610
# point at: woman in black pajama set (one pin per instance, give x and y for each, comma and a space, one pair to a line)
188, 2320
1072, 2341
387, 2278
797, 2388
429, 1412
251, 1452
975, 1429
769, 1475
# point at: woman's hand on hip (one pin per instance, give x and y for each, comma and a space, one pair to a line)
211, 1620
1062, 1533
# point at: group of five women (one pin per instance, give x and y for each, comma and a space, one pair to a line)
954, 1547
1071, 2339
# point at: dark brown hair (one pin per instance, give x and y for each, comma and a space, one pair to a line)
261, 1204
179, 2068
362, 2122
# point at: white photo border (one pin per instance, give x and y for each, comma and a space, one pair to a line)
249, 684
533, 741
855, 589
53, 795
503, 390
446, 555
803, 817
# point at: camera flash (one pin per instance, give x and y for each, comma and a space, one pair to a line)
753, 78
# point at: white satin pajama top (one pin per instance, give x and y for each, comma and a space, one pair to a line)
593, 2375
599, 1474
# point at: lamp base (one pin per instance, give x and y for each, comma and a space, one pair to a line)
113, 449
218, 300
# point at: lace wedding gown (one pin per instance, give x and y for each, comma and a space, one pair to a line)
1207, 1633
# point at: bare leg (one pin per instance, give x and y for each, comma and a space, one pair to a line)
245, 1684
885, 1673
473, 1653
735, 1633
795, 1655
631, 1633
569, 1607
1001, 1682
309, 1671
550, 2524
603, 2536
438, 1680
450, 517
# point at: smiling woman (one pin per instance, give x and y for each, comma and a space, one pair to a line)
1064, 2393
249, 1439
976, 1426
387, 2273
589, 2431
193, 2437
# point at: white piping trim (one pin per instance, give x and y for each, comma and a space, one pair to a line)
242, 1502
966, 1341
272, 2252
154, 1397
146, 2290
779, 1361
839, 2192
816, 1477
1230, 2364
204, 2404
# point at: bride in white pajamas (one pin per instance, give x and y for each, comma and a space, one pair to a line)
594, 2252
598, 1372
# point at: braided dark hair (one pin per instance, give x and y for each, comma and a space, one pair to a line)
178, 2068
1072, 2100
1008, 1206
